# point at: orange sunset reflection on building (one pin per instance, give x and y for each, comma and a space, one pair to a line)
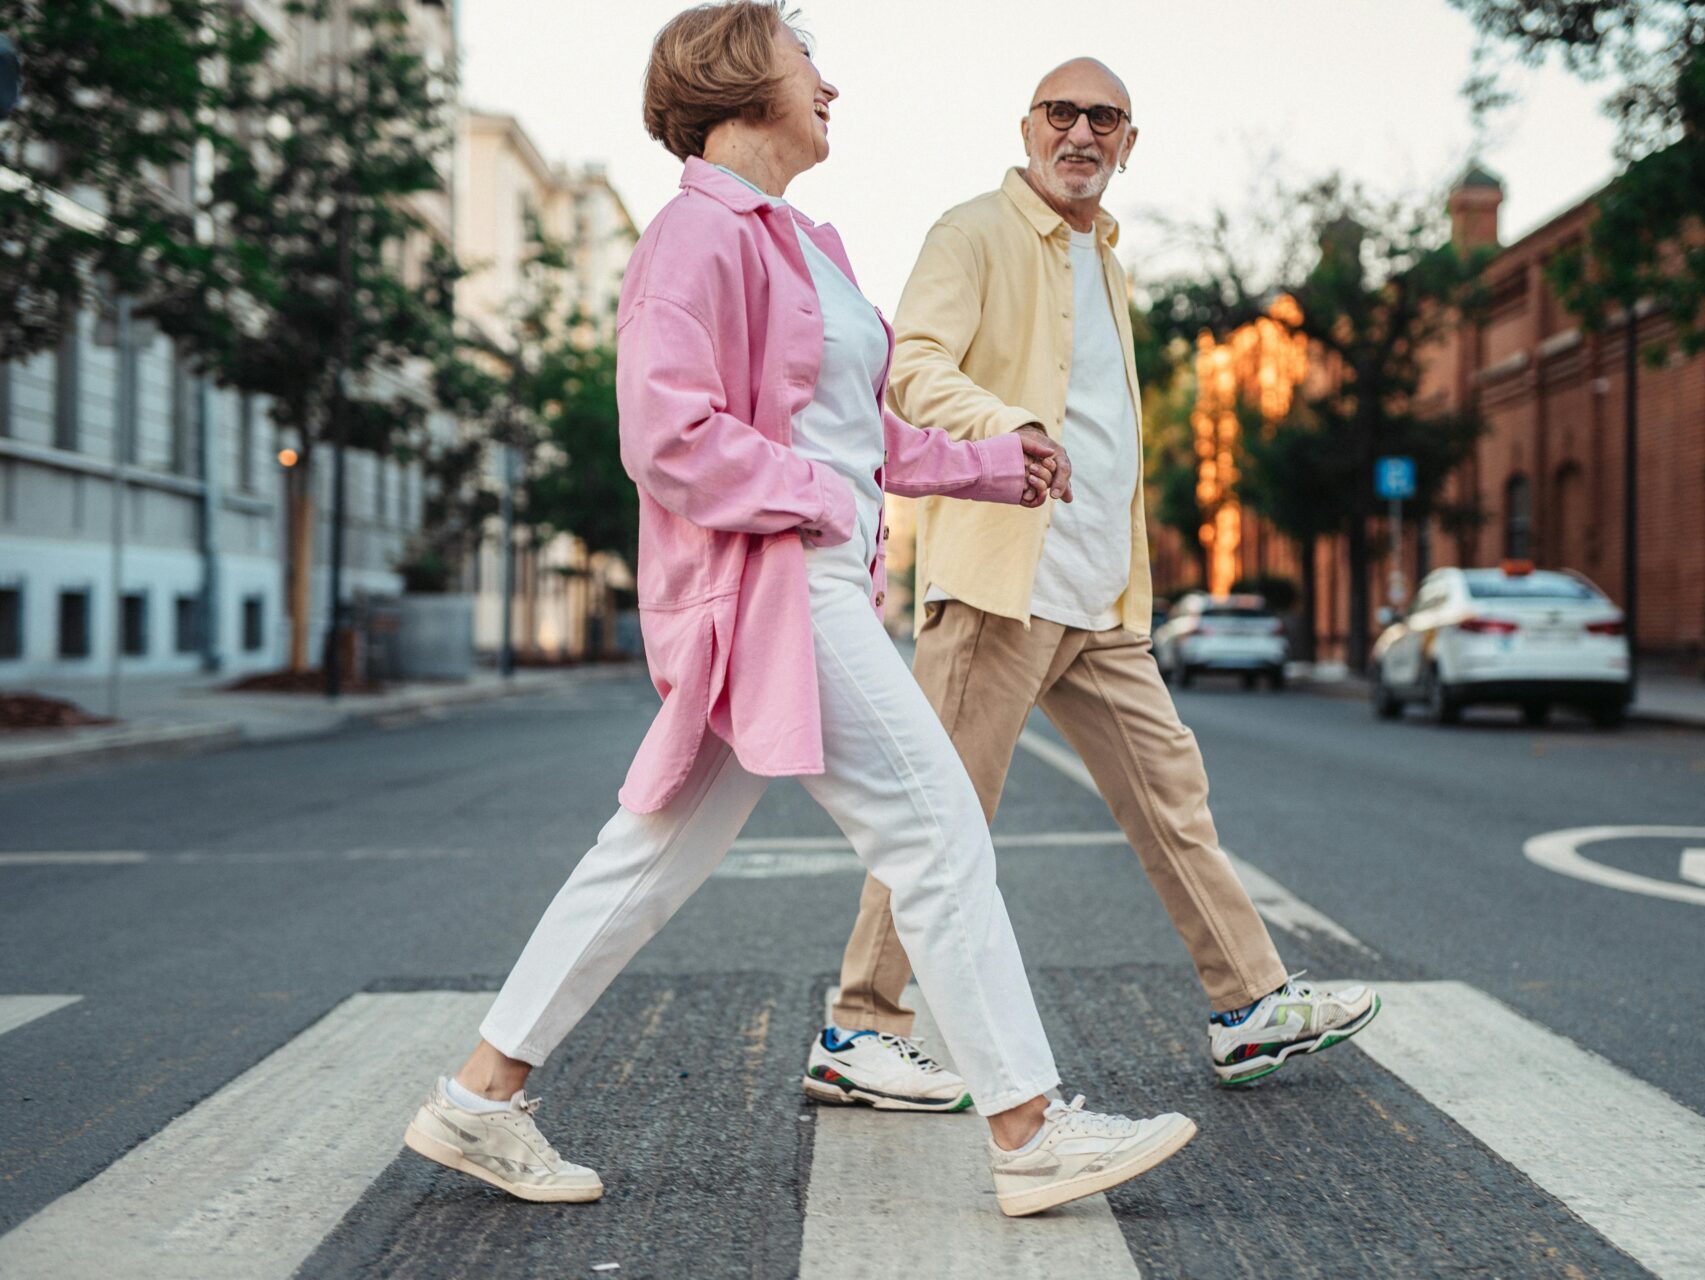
1259, 364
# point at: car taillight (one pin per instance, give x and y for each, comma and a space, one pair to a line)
1488, 626
1614, 627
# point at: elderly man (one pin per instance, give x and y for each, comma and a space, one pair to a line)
1015, 319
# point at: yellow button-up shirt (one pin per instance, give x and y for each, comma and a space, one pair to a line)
983, 346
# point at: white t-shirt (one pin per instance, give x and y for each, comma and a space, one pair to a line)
842, 426
1086, 555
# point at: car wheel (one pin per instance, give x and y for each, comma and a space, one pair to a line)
1186, 675
1442, 700
1248, 679
1535, 713
1609, 715
1276, 679
1386, 704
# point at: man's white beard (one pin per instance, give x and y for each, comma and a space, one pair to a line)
1063, 188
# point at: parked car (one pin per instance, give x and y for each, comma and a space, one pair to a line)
1225, 633
1535, 638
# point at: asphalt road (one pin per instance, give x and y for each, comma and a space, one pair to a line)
239, 900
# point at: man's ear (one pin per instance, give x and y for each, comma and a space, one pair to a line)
1024, 133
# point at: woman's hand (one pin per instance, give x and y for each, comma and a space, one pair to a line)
1047, 471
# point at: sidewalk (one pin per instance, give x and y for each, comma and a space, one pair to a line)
192, 713
1658, 699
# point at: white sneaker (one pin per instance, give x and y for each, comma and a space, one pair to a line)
888, 1072
1082, 1152
504, 1148
1294, 1019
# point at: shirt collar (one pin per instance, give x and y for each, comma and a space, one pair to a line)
1040, 214
729, 188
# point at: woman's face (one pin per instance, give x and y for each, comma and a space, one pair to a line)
800, 119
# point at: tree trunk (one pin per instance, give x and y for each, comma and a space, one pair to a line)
1356, 641
300, 491
1310, 591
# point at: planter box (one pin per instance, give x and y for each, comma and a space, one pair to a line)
435, 637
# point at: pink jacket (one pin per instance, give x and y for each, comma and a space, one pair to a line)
719, 342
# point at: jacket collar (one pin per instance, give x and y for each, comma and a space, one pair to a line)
1041, 215
702, 176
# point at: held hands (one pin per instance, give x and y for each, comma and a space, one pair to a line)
1047, 470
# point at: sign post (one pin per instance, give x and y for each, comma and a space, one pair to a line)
1394, 480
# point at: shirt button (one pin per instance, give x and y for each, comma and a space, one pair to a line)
880, 596
885, 533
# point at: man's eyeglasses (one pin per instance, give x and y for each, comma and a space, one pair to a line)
1063, 115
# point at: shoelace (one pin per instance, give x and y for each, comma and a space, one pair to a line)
907, 1047
1294, 987
1074, 1119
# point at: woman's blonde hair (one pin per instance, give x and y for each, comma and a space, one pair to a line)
712, 63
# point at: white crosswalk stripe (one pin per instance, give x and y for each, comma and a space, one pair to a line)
909, 1195
15, 1011
247, 1183
1625, 1156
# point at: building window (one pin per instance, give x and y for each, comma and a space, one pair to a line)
133, 624
183, 409
382, 489
11, 622
1518, 519
187, 624
254, 619
5, 399
74, 624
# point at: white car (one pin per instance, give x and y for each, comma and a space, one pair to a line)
1227, 633
1514, 634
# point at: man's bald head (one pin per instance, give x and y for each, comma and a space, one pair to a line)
1071, 165
1083, 76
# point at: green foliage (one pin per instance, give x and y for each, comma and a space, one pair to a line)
308, 162
113, 105
584, 489
1644, 240
1383, 284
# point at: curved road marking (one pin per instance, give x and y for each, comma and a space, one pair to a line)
1559, 851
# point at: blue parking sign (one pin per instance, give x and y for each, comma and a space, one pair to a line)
1394, 478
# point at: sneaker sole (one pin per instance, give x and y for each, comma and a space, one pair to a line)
1140, 1162
451, 1158
1244, 1073
851, 1095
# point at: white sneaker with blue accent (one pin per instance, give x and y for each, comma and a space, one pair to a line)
888, 1072
1294, 1019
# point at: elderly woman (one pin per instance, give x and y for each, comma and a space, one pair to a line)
751, 381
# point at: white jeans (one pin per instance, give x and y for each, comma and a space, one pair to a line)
894, 786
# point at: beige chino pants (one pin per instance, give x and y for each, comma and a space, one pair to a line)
982, 673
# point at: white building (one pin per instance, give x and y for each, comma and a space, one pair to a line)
561, 606
192, 575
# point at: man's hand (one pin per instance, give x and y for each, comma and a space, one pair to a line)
1048, 471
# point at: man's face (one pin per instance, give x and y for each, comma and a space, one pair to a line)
1077, 163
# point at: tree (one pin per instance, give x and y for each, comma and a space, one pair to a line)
114, 104
584, 488
1644, 241
1384, 283
305, 297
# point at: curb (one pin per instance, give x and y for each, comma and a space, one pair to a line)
114, 744
17, 760
1357, 690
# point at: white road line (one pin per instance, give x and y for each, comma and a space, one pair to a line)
247, 1183
907, 1195
761, 864
1560, 851
1007, 840
1624, 1156
1693, 865
15, 1011
1278, 904
93, 858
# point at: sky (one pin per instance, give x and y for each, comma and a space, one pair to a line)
932, 92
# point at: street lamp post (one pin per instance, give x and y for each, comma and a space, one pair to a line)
340, 442
1630, 492
506, 646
